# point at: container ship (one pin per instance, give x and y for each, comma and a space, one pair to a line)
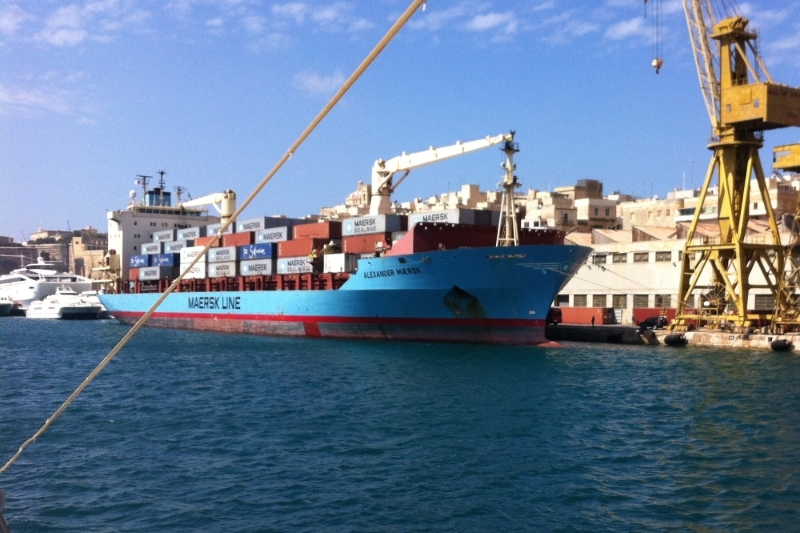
436, 276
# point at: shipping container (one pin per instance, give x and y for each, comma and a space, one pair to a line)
151, 248
262, 223
165, 260
137, 261
278, 234
133, 273
238, 239
340, 262
584, 315
485, 217
175, 247
257, 267
450, 216
267, 250
212, 229
296, 265
156, 272
327, 229
373, 224
164, 235
190, 252
299, 247
202, 241
222, 270
190, 233
222, 255
198, 271
366, 244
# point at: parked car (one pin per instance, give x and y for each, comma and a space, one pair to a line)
654, 322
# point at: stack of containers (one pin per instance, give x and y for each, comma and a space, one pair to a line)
368, 234
212, 229
222, 262
257, 259
450, 216
187, 255
136, 263
159, 265
294, 256
164, 236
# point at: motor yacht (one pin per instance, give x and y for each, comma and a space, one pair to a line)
64, 304
37, 281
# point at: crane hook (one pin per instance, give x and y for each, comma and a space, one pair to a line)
657, 63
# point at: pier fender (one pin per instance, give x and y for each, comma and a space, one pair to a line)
675, 339
781, 345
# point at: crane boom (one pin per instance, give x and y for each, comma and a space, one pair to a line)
223, 202
383, 171
699, 18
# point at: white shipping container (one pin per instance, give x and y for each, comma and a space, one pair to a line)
371, 224
222, 270
212, 229
153, 273
340, 262
278, 234
198, 271
150, 248
190, 252
451, 216
257, 267
173, 247
295, 265
191, 233
164, 235
221, 255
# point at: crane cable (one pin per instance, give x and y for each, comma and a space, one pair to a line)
390, 34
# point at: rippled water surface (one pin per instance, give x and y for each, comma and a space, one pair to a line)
204, 432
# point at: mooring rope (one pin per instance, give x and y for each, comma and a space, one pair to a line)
390, 34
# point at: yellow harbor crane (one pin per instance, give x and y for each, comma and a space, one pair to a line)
717, 275
786, 317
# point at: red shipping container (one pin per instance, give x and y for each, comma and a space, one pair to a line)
202, 241
365, 244
583, 315
133, 273
239, 239
330, 229
301, 247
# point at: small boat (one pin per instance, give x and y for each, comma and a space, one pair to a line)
37, 281
64, 304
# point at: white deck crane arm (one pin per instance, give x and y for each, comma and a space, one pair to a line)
223, 202
700, 20
383, 171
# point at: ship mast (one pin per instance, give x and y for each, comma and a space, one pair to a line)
507, 232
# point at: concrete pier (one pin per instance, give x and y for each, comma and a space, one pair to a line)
724, 339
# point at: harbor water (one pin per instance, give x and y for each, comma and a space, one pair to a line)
188, 432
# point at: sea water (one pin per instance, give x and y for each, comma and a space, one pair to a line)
189, 431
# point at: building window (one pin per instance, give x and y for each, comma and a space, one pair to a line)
663, 256
599, 300
641, 300
663, 301
619, 258
579, 300
599, 259
680, 255
562, 300
755, 205
134, 222
641, 257
596, 211
765, 302
667, 212
659, 213
619, 301
608, 212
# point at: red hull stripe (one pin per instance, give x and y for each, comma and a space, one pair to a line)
406, 321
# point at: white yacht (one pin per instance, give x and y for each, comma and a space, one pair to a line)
37, 281
66, 304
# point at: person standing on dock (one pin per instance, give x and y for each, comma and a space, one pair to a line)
592, 320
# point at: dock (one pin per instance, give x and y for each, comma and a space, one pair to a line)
609, 334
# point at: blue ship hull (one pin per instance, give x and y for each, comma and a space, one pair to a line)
488, 295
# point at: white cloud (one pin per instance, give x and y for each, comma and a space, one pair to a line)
11, 18
32, 102
493, 20
271, 41
544, 6
295, 10
314, 84
215, 22
254, 23
628, 28
73, 24
435, 20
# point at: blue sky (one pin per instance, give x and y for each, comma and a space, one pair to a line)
93, 93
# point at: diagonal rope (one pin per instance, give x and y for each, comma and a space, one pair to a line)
390, 34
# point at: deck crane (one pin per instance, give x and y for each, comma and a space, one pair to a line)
383, 171
742, 102
223, 202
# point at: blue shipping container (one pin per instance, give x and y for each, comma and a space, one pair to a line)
264, 250
165, 260
138, 261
